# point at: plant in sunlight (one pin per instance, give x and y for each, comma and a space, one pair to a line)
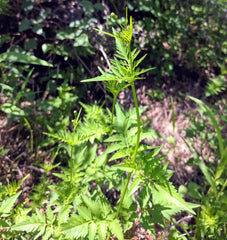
76, 207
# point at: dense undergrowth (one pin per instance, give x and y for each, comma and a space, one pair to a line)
84, 143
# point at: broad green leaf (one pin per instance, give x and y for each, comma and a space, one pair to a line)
145, 195
24, 25
125, 167
115, 147
115, 138
23, 58
7, 205
92, 206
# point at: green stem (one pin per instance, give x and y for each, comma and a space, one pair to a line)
113, 108
138, 122
136, 148
71, 165
123, 194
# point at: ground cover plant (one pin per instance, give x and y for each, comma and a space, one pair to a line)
73, 209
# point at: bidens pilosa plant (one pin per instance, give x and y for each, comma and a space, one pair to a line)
76, 207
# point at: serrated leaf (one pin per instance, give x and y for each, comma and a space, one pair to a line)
102, 230
147, 223
92, 206
115, 228
63, 213
75, 227
126, 167
114, 147
171, 200
120, 154
84, 213
50, 215
92, 231
144, 195
7, 205
31, 224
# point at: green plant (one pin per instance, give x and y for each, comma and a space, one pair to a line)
76, 206
211, 219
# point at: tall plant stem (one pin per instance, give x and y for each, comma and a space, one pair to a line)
138, 122
71, 165
123, 194
136, 148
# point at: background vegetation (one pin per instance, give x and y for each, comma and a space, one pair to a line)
47, 48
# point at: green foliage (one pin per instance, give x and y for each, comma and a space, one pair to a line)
181, 31
216, 86
105, 150
75, 207
211, 219
5, 7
